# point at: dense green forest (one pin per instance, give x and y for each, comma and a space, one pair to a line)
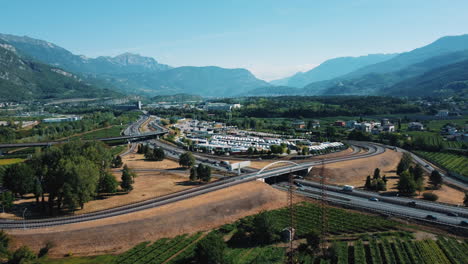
314, 107
69, 175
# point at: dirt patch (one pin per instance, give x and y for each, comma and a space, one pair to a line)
165, 178
421, 235
138, 162
354, 172
448, 195
117, 234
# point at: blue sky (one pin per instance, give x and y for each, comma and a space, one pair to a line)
271, 38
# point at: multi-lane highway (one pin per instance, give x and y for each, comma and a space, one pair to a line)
396, 206
159, 201
129, 134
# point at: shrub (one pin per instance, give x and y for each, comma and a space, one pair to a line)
430, 196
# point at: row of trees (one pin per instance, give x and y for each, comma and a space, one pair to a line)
376, 183
156, 154
411, 177
69, 175
201, 172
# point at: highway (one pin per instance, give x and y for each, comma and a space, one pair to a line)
428, 168
384, 206
389, 205
421, 204
178, 196
129, 134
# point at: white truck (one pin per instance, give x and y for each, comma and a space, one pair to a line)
348, 188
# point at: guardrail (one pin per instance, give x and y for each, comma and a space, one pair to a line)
404, 201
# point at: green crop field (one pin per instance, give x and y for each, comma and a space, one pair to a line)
113, 131
456, 163
4, 162
348, 237
436, 125
444, 250
339, 221
434, 139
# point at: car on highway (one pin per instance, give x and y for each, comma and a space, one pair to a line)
464, 223
452, 214
348, 188
412, 203
431, 217
374, 199
298, 184
427, 165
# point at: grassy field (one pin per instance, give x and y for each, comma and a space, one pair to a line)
4, 162
436, 125
113, 131
434, 139
79, 260
456, 163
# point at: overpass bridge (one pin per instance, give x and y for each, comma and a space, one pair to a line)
133, 137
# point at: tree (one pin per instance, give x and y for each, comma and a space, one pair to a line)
158, 154
418, 172
406, 184
313, 240
37, 189
203, 172
330, 131
404, 163
265, 230
140, 149
127, 179
250, 151
187, 160
420, 185
276, 149
81, 184
210, 250
107, 183
368, 184
117, 162
6, 199
380, 185
430, 196
19, 178
22, 256
4, 243
435, 179
193, 174
376, 174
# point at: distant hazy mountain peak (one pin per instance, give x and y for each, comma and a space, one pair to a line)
332, 68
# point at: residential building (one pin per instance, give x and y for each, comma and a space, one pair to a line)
351, 123
365, 127
340, 123
299, 124
416, 126
443, 113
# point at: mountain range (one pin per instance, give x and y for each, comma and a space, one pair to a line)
24, 79
132, 73
331, 69
435, 69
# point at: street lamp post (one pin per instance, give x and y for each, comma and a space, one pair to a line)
24, 219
